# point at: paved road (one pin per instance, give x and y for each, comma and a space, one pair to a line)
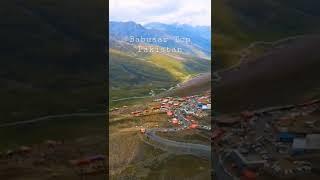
175, 146
129, 98
178, 147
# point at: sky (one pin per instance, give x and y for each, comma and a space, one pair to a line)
193, 12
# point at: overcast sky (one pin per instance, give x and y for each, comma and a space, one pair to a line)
193, 12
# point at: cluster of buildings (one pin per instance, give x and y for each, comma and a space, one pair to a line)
297, 168
274, 142
49, 152
26, 151
22, 151
185, 111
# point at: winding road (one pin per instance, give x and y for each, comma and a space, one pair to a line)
200, 150
178, 147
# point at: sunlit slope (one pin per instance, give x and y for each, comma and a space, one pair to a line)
174, 67
182, 68
128, 71
135, 76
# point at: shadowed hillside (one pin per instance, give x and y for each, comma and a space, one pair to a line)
285, 75
240, 22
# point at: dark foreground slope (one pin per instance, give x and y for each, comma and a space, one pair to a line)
196, 85
52, 61
287, 74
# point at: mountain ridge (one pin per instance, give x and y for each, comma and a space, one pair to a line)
200, 44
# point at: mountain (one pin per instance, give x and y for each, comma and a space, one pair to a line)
200, 35
240, 22
199, 46
134, 74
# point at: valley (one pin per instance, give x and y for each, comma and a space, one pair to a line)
150, 124
144, 141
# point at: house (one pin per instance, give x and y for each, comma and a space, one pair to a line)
204, 107
227, 120
89, 165
217, 134
311, 143
24, 150
248, 175
298, 146
193, 125
143, 130
52, 143
249, 161
247, 114
165, 100
156, 107
199, 105
174, 120
176, 104
286, 137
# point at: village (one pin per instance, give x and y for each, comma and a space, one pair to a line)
51, 154
279, 142
169, 126
182, 112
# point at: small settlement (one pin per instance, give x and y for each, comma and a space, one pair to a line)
52, 153
182, 112
186, 111
278, 142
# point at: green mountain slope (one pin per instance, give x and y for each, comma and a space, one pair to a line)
135, 76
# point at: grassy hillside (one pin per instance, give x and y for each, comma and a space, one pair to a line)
194, 86
239, 22
174, 67
136, 76
130, 76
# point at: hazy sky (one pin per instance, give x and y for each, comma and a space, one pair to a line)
194, 12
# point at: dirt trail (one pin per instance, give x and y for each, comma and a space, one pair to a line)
48, 117
246, 50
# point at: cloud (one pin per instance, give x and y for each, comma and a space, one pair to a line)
194, 12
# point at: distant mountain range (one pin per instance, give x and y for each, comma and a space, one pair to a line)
200, 36
134, 74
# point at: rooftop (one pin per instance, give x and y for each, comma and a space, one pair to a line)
311, 141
